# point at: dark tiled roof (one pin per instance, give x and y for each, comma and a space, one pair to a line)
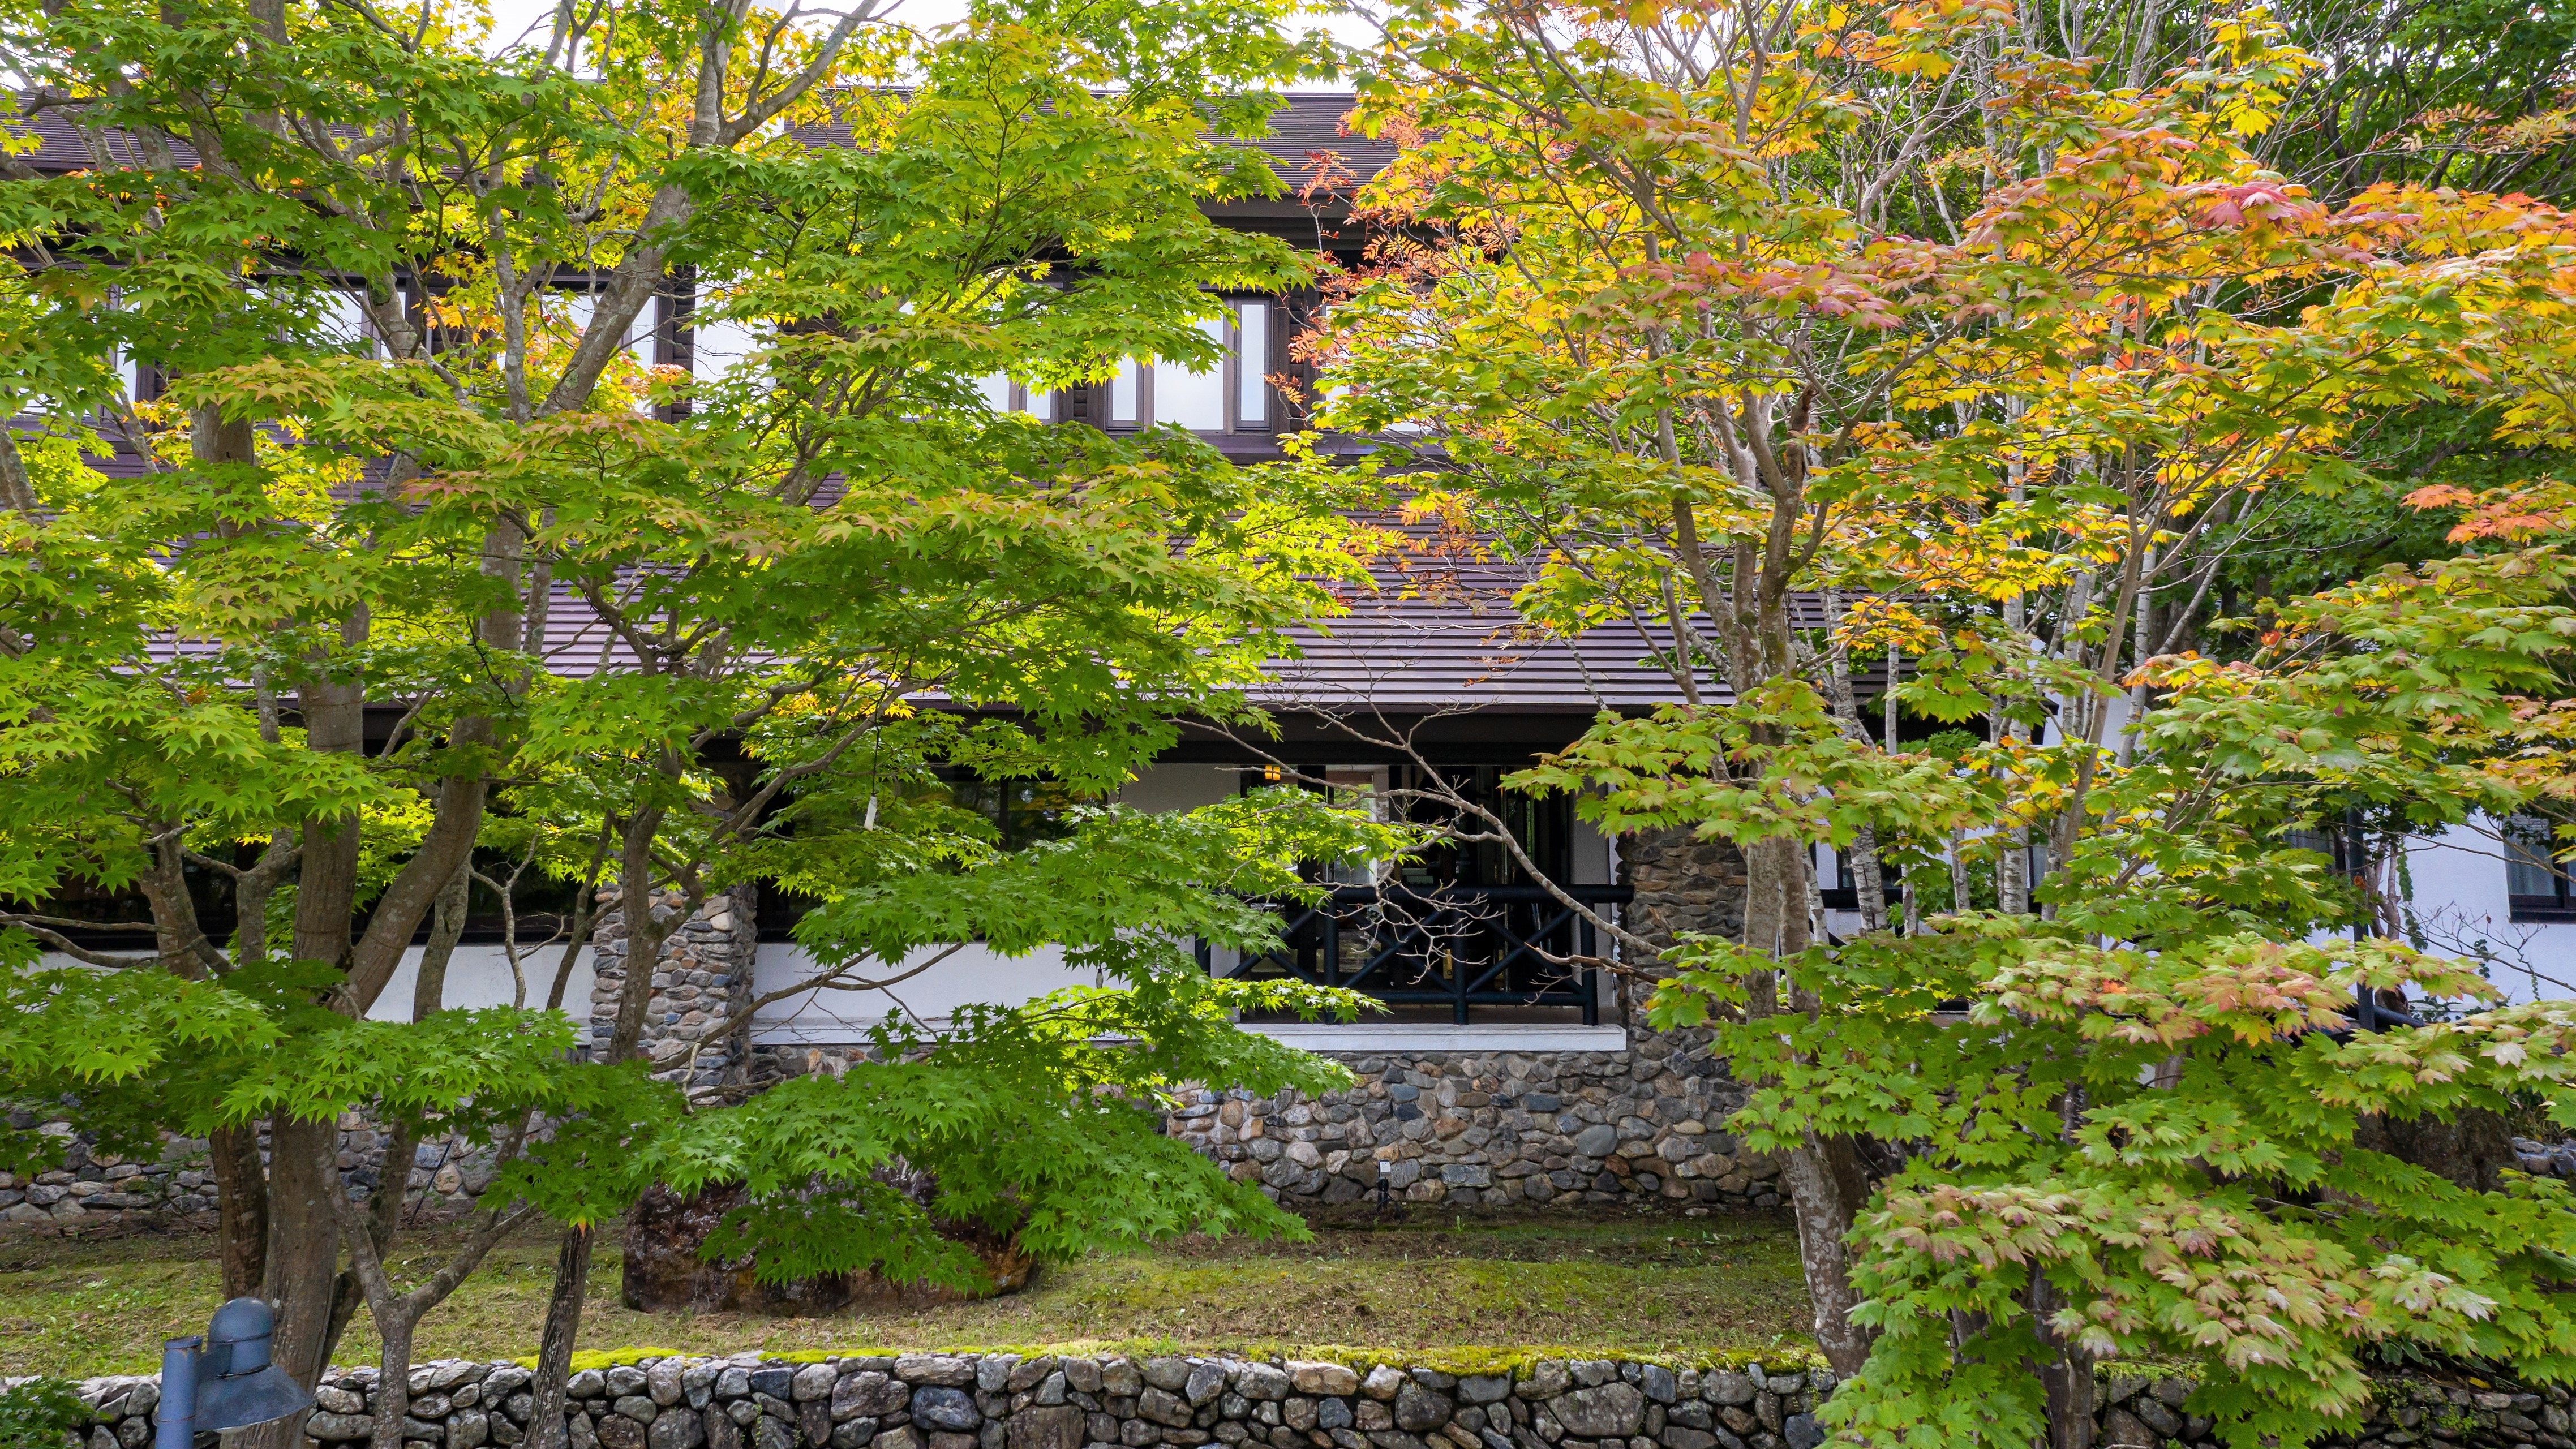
1440, 634
1306, 141
1434, 637
1436, 633
1310, 127
61, 147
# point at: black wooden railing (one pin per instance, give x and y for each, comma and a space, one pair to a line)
1461, 947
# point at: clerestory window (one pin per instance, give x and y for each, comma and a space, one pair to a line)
1231, 396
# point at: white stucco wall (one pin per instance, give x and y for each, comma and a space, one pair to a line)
477, 975
974, 973
830, 1017
2460, 902
480, 976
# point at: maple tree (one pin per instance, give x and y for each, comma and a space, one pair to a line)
414, 565
1994, 352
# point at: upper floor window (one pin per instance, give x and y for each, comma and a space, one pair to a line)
346, 325
579, 308
2535, 882
1022, 812
1004, 395
1231, 396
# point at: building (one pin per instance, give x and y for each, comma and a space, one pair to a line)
1499, 1072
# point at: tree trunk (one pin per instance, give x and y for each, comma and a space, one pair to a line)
1868, 881
326, 888
1825, 1217
17, 491
303, 1258
241, 1207
446, 928
393, 1386
554, 1348
644, 935
302, 1277
2067, 1376
1775, 921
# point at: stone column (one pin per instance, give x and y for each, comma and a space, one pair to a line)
697, 1031
1683, 885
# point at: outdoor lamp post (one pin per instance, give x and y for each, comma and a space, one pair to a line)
224, 1379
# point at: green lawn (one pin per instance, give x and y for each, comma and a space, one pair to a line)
1645, 1284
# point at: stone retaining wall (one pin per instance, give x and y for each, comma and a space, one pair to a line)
1005, 1401
100, 1191
1495, 1129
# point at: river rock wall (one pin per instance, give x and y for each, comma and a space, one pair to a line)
1559, 1129
1007, 1401
697, 1026
98, 1191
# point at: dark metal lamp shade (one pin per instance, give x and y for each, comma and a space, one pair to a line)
238, 1386
229, 1383
241, 1400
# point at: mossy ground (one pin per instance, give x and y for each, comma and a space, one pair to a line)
1442, 1286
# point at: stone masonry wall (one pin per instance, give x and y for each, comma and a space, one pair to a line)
1683, 884
1571, 1128
99, 1191
698, 1026
1005, 1401
1497, 1129
1459, 1129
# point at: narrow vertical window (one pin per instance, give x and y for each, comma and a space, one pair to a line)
581, 307
1122, 393
1003, 395
1252, 364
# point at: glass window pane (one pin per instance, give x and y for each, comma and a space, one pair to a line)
1041, 404
1252, 380
996, 388
582, 306
1122, 394
1193, 400
715, 348
2527, 871
344, 323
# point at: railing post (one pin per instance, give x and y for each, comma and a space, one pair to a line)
1584, 977
1332, 920
1457, 969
